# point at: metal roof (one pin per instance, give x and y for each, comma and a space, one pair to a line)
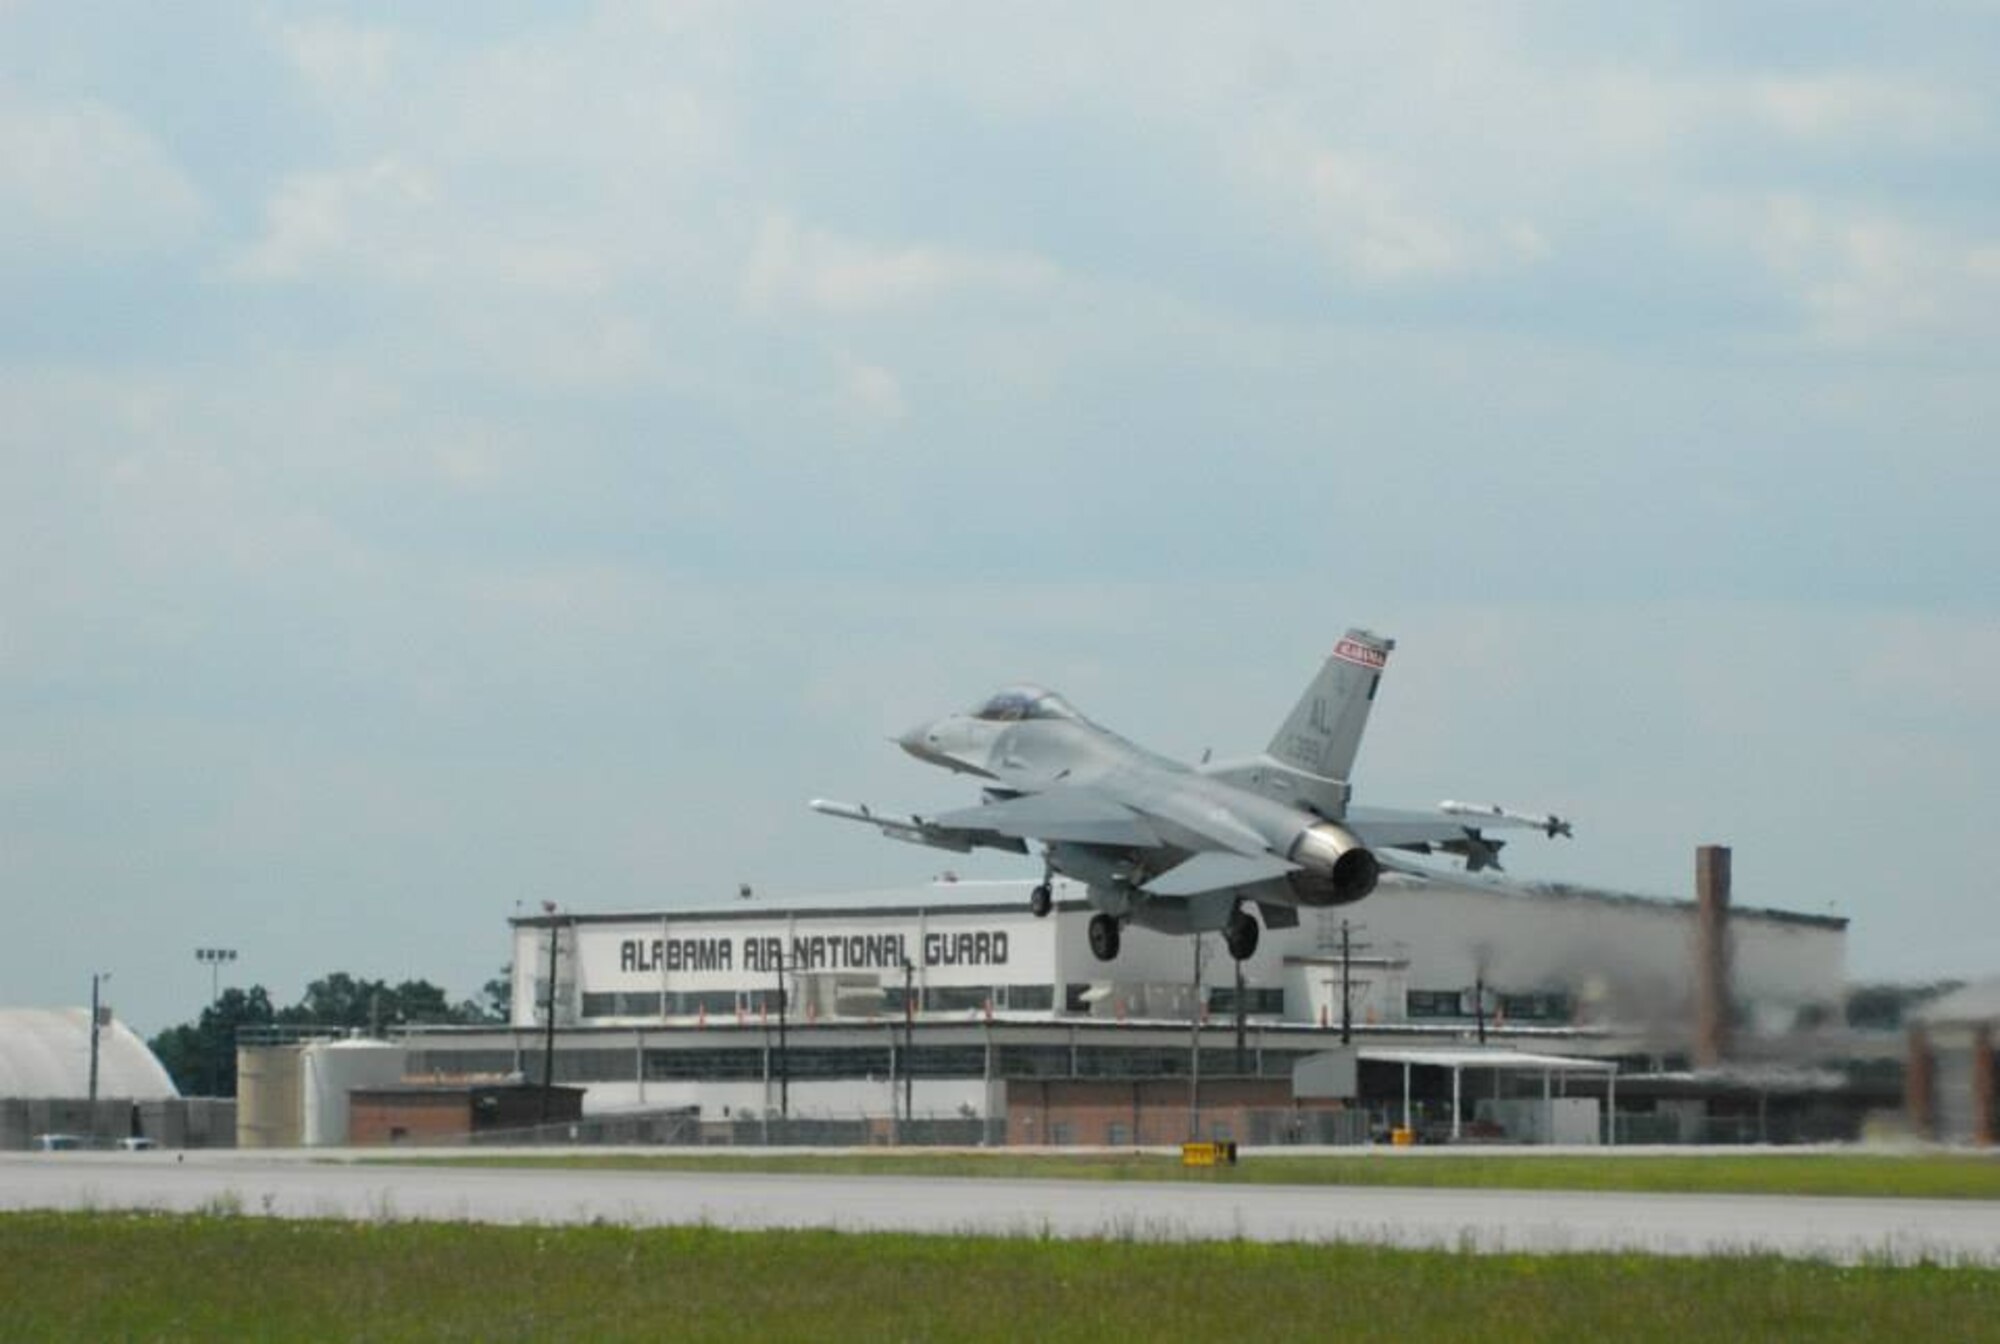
1973, 1004
45, 1053
983, 895
1485, 1058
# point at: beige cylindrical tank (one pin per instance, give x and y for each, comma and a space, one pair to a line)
334, 1068
268, 1111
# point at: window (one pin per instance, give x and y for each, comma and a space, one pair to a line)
1016, 703
663, 1065
1032, 1061
461, 1063
596, 1066
1256, 1002
1031, 998
1551, 1007
695, 1003
1434, 1003
957, 998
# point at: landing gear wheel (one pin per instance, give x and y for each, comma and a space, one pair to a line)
1241, 935
1104, 937
1040, 901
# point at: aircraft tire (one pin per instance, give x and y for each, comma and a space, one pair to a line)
1040, 901
1241, 935
1104, 937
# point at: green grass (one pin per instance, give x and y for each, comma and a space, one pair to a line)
151, 1276
1914, 1176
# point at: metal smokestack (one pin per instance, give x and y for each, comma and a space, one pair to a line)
1711, 955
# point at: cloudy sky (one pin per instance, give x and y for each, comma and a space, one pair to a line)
459, 460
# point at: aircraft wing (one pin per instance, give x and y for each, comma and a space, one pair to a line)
1216, 871
1074, 815
923, 831
1455, 828
1393, 826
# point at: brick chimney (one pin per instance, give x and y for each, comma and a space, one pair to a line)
1711, 955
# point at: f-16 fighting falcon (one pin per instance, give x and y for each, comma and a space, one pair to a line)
1188, 849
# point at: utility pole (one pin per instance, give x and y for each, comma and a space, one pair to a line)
1194, 1049
1241, 1010
784, 1061
1347, 950
549, 1027
97, 978
909, 1043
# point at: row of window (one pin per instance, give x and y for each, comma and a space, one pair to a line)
752, 1063
1421, 1004
1461, 1003
763, 1003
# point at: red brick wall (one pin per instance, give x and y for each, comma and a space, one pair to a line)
1147, 1112
376, 1119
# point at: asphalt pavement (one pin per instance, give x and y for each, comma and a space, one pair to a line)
306, 1185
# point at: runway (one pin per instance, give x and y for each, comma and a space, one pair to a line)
308, 1186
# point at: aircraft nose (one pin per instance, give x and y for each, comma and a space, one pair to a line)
916, 741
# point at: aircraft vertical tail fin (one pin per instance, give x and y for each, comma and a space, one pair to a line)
1323, 733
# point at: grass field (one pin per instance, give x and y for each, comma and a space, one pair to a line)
1914, 1176
110, 1276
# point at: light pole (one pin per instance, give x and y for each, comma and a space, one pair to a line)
213, 958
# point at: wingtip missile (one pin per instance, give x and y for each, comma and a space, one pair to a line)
1547, 823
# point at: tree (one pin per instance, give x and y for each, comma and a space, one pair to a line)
201, 1057
499, 992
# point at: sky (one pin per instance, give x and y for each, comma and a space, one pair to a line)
453, 458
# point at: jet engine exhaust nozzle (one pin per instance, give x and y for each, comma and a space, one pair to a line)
1338, 868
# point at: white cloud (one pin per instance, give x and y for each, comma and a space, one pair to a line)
368, 219
340, 59
791, 267
1847, 109
1862, 276
872, 393
82, 179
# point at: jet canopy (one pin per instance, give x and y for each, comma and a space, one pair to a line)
1016, 703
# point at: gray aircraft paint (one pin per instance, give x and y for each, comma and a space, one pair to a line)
1180, 849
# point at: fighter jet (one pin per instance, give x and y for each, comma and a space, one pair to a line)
1180, 848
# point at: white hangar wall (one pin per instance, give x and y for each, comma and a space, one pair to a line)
1562, 955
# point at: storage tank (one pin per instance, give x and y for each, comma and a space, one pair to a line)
267, 1096
334, 1068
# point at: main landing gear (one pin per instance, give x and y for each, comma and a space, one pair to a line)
1240, 934
1104, 937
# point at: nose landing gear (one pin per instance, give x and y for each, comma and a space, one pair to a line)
1041, 900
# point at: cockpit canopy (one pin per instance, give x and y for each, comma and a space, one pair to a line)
1016, 703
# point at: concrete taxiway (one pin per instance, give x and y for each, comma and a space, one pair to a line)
308, 1186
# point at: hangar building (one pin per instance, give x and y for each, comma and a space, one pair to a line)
680, 1009
1951, 1068
45, 1085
